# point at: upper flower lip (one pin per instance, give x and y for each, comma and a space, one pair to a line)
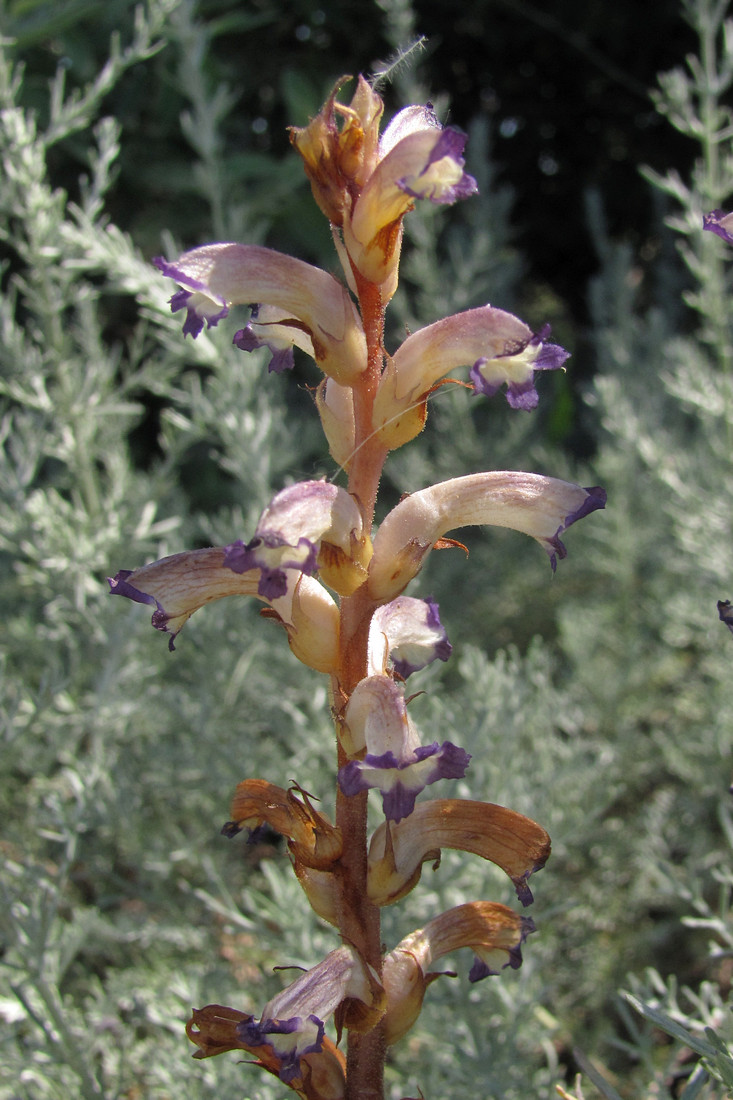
540, 506
510, 840
180, 584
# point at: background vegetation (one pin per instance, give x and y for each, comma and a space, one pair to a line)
598, 702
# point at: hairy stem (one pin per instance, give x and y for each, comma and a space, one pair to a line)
359, 919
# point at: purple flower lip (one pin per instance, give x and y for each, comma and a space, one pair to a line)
258, 1033
450, 143
596, 499
725, 613
211, 309
402, 780
717, 221
270, 555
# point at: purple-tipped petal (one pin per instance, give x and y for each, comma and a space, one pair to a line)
725, 613
595, 499
482, 969
401, 780
202, 307
289, 1039
516, 366
450, 144
272, 556
717, 221
119, 587
282, 357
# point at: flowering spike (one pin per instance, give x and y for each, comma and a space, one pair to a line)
375, 637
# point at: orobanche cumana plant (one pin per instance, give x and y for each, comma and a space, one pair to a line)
609, 722
337, 583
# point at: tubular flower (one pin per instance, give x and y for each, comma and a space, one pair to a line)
312, 839
494, 932
721, 223
215, 1030
292, 1023
310, 525
542, 507
182, 583
289, 1038
312, 309
397, 852
395, 762
408, 631
365, 186
500, 347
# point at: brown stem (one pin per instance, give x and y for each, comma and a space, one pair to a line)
359, 919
